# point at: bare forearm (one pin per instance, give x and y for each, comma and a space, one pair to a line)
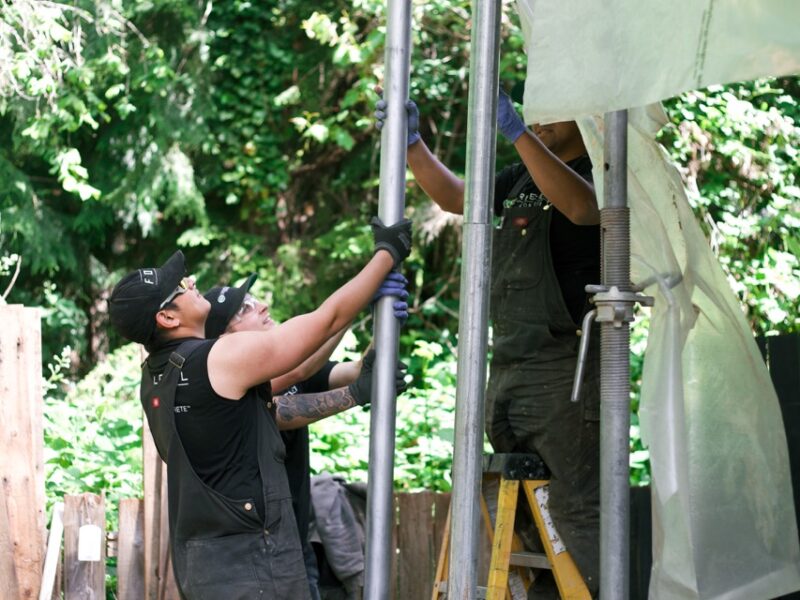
296, 411
438, 182
311, 365
569, 192
346, 302
344, 374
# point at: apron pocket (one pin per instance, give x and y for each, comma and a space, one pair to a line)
214, 562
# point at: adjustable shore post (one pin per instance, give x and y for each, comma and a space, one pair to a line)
380, 514
474, 308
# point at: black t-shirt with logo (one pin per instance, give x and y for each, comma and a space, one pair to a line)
297, 450
575, 249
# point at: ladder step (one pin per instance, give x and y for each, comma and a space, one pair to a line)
480, 593
534, 560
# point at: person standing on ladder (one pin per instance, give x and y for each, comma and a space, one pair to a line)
233, 534
546, 249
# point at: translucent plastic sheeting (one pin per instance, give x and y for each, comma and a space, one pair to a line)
590, 57
723, 517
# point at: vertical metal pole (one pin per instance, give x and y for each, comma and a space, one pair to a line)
615, 368
473, 313
380, 514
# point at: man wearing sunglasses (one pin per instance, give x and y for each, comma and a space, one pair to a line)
316, 389
233, 535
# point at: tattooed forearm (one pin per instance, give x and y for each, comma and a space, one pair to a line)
299, 410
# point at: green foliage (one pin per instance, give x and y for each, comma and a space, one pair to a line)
93, 430
738, 147
424, 437
639, 459
242, 132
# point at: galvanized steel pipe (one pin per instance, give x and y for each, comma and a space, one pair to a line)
474, 309
380, 512
615, 369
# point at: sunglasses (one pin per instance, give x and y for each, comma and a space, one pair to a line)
248, 304
182, 288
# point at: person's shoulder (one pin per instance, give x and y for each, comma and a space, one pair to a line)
194, 350
511, 171
507, 177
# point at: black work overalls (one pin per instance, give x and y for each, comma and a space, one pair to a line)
535, 346
221, 549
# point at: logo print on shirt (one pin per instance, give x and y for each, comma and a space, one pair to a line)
183, 381
531, 200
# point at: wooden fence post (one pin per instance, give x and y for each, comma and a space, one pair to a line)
9, 586
415, 562
130, 553
159, 579
22, 522
84, 547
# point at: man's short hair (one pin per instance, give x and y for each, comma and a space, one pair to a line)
138, 296
225, 301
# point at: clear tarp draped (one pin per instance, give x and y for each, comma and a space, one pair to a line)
723, 515
724, 525
588, 57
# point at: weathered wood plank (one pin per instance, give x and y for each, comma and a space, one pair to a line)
130, 552
168, 589
416, 568
441, 504
21, 444
53, 554
158, 576
9, 587
84, 547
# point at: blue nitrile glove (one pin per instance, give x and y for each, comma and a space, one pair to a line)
508, 121
395, 285
413, 119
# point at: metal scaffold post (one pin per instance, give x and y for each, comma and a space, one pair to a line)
615, 302
380, 515
473, 314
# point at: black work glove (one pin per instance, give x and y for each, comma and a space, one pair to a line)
361, 388
396, 239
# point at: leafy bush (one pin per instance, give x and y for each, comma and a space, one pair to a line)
93, 430
424, 435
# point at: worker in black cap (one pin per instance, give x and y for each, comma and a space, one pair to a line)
316, 389
545, 250
233, 535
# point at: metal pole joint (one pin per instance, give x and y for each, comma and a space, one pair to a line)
615, 305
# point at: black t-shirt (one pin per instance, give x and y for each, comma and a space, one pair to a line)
575, 249
220, 435
297, 450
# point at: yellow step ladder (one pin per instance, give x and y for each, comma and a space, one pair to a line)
507, 551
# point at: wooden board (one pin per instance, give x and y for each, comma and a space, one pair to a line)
130, 553
84, 579
21, 445
159, 579
415, 538
9, 587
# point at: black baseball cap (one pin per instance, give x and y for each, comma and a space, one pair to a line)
138, 296
225, 301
